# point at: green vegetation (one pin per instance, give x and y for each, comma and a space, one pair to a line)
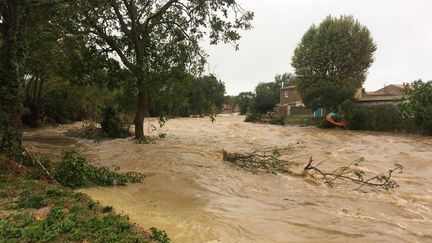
154, 38
244, 100
416, 106
331, 61
36, 211
375, 118
62, 61
413, 113
74, 171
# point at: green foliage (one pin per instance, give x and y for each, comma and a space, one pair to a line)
267, 95
74, 171
335, 55
69, 219
112, 124
375, 118
88, 131
30, 202
245, 101
416, 105
327, 96
253, 117
159, 235
207, 95
63, 102
164, 45
286, 79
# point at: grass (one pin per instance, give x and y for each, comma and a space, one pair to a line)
36, 211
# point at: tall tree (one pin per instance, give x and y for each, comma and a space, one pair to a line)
267, 95
156, 35
245, 100
335, 54
416, 105
12, 56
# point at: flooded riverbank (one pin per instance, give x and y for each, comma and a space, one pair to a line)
197, 197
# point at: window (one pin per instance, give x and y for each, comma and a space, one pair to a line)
286, 94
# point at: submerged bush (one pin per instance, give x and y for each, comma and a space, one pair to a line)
111, 123
74, 171
90, 132
253, 117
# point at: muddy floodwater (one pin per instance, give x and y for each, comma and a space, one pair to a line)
196, 197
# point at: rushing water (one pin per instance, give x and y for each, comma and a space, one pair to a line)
196, 197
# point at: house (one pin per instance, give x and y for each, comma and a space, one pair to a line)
389, 95
291, 103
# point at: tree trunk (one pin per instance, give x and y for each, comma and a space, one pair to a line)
10, 78
142, 108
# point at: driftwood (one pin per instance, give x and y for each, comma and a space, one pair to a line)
276, 160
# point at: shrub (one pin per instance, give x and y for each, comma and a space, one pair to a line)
253, 117
74, 171
416, 106
90, 132
111, 123
375, 118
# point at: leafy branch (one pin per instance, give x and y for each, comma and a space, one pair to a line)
276, 160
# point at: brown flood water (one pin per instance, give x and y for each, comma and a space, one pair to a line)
196, 197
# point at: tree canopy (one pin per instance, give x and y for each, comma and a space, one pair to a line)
337, 53
147, 50
416, 105
156, 36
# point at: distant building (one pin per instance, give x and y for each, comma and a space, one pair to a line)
291, 103
389, 95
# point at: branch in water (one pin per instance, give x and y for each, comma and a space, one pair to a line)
274, 160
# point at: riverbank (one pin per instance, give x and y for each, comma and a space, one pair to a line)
35, 211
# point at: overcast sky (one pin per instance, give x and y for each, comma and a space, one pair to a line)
402, 30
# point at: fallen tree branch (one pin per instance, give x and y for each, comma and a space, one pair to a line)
352, 174
269, 160
275, 160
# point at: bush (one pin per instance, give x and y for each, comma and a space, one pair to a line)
111, 123
416, 106
74, 171
375, 118
253, 117
90, 132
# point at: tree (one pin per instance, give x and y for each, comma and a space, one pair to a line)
155, 36
245, 100
286, 79
207, 96
267, 95
13, 47
12, 55
335, 54
416, 105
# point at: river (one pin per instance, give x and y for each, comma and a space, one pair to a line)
197, 197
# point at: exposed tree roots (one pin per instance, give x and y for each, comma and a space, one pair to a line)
276, 160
